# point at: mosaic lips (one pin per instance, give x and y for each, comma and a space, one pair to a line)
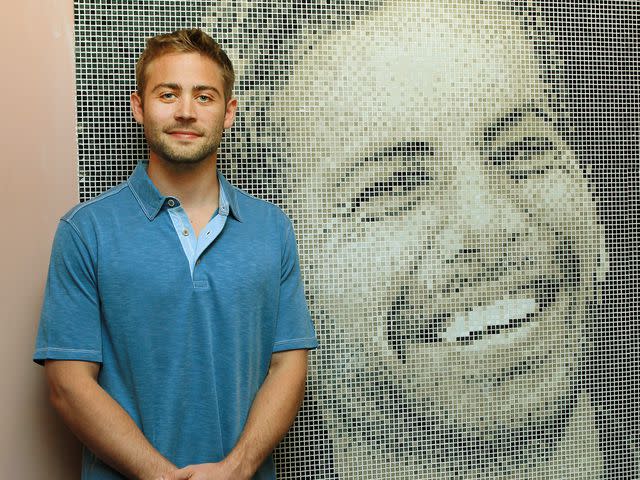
503, 320
500, 320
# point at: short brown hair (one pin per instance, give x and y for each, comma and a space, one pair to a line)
185, 41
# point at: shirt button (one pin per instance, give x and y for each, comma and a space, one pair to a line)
171, 202
185, 232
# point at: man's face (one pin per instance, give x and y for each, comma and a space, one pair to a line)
448, 236
183, 111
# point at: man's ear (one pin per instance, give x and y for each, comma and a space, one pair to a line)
136, 107
230, 113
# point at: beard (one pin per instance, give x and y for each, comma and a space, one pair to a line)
177, 154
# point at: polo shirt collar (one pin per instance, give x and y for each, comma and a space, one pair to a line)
229, 193
151, 200
148, 196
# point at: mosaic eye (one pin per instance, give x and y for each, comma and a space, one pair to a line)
525, 158
398, 184
394, 178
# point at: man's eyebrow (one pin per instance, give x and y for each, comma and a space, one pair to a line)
511, 119
170, 86
201, 88
175, 86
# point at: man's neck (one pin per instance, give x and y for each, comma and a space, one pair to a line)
577, 455
195, 185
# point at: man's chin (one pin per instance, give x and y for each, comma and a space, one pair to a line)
182, 161
183, 157
428, 435
185, 162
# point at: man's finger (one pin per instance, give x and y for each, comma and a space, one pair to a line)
183, 474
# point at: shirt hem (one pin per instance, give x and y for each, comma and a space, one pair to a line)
296, 344
43, 354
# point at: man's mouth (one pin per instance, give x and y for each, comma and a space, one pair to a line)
490, 319
184, 134
502, 320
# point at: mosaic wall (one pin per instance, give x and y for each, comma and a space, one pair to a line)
463, 177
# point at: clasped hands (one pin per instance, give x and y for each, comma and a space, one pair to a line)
204, 471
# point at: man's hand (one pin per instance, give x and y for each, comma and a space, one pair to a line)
206, 471
100, 422
271, 415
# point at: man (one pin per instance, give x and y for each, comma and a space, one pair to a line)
451, 245
174, 330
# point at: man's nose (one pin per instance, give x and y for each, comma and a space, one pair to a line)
185, 110
479, 216
473, 205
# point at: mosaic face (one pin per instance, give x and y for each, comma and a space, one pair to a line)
449, 237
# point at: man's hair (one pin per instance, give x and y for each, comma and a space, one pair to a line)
191, 40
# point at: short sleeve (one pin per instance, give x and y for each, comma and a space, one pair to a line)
70, 327
294, 329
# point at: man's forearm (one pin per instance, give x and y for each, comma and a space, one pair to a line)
101, 423
272, 413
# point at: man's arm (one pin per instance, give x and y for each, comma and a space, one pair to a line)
100, 422
272, 414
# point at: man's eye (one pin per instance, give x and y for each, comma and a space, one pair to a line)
168, 96
204, 98
388, 182
398, 184
390, 197
525, 158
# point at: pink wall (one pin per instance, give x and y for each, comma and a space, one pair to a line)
38, 184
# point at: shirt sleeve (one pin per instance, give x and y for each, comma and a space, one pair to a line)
294, 329
70, 326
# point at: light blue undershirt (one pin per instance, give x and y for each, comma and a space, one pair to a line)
193, 245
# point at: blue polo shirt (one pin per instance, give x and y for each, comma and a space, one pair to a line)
184, 339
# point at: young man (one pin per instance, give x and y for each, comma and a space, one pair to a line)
174, 330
